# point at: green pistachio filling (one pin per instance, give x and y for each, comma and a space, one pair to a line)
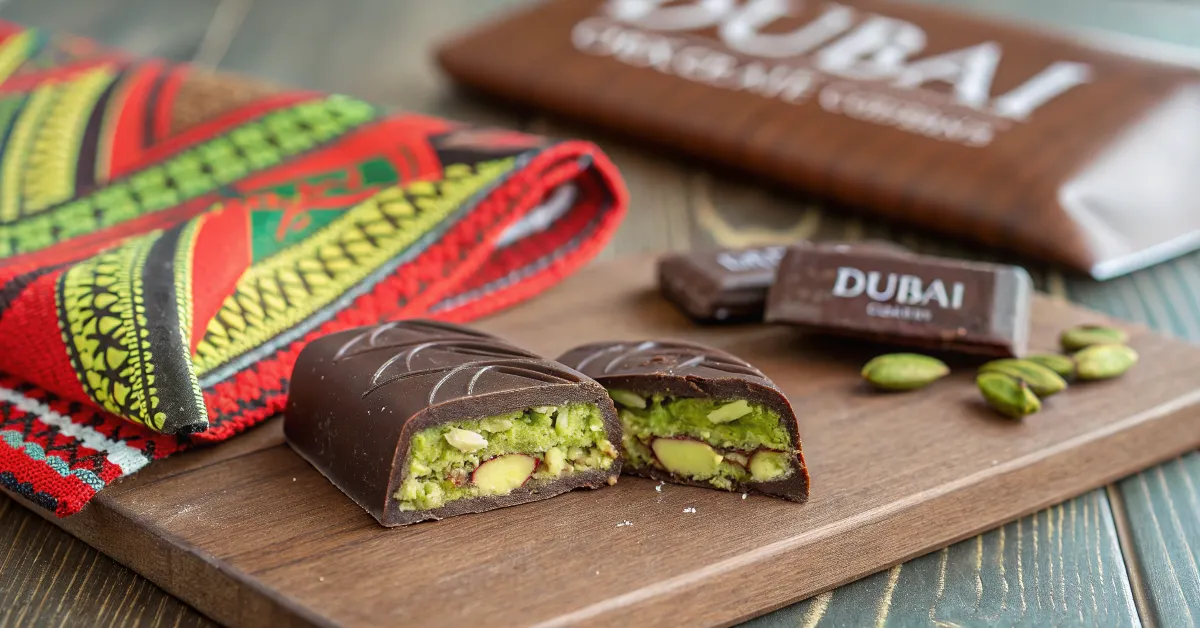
721, 441
496, 455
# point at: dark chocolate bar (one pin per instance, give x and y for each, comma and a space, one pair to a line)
921, 301
418, 420
730, 285
696, 415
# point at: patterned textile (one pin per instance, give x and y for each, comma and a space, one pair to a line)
170, 239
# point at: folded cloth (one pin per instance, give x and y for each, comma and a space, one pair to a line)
170, 238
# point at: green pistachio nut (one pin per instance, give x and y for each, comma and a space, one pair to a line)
903, 371
1010, 396
1061, 364
1041, 380
1104, 361
1077, 338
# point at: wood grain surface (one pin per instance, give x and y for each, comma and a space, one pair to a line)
677, 206
1061, 567
48, 577
273, 542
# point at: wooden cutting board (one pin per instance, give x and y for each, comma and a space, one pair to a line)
250, 534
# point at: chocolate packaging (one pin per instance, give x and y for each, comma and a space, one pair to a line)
965, 124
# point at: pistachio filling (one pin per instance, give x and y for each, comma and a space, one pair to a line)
499, 454
718, 441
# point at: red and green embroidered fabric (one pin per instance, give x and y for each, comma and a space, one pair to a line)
170, 238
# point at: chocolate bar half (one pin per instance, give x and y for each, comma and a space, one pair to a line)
914, 300
696, 415
730, 285
418, 420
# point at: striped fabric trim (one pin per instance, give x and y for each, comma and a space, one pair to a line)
34, 451
118, 453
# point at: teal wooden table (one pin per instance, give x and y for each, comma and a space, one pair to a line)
1123, 555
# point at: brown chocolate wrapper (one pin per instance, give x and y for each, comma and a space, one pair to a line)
975, 127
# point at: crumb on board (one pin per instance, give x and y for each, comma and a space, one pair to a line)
624, 523
321, 579
689, 509
745, 495
659, 487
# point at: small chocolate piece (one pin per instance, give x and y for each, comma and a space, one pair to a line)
730, 285
418, 420
921, 301
696, 415
724, 286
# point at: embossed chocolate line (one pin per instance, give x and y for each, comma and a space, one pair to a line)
535, 371
373, 335
454, 347
609, 349
588, 360
698, 357
481, 350
528, 368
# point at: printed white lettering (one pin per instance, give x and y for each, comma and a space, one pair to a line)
1051, 83
969, 70
699, 64
910, 290
694, 62
753, 259
843, 288
903, 289
876, 49
873, 290
913, 117
936, 292
880, 310
880, 53
653, 15
742, 30
785, 83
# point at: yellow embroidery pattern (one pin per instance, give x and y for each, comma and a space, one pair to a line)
103, 320
252, 147
16, 151
283, 290
49, 173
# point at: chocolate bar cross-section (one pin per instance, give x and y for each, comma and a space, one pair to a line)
696, 415
418, 420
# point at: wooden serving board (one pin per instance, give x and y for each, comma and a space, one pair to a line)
250, 534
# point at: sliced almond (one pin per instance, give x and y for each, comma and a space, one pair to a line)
465, 441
